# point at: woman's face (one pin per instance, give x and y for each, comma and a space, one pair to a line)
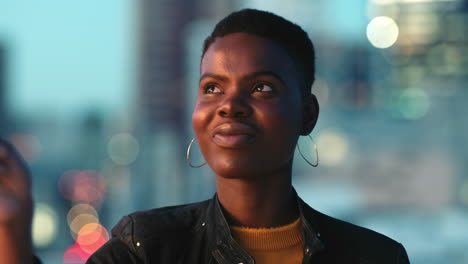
248, 113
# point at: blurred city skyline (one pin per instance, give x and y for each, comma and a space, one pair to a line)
97, 96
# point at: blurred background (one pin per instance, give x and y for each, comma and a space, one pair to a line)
97, 96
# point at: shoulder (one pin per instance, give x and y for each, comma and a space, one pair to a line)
160, 222
348, 232
150, 231
357, 242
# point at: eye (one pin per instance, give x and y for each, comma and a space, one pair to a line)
212, 89
263, 88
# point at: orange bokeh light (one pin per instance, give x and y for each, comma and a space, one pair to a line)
91, 237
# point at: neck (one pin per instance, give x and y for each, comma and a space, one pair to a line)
262, 202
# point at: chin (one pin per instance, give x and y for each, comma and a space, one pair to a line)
235, 168
245, 168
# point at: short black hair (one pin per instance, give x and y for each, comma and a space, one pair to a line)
291, 37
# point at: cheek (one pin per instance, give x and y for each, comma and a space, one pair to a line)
197, 118
282, 132
282, 119
201, 116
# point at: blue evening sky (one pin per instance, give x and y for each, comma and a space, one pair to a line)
65, 56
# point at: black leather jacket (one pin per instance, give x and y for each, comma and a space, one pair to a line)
199, 233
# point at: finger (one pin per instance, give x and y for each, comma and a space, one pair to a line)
9, 156
13, 168
3, 169
3, 152
9, 206
13, 207
3, 158
3, 149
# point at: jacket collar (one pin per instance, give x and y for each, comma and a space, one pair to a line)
226, 250
310, 234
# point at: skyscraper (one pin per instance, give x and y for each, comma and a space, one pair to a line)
160, 61
3, 103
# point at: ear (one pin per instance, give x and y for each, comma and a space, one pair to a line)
310, 114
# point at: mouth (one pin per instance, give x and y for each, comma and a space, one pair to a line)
233, 135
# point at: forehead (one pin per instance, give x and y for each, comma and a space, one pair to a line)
243, 53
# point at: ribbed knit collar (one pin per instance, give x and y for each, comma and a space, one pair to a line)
268, 239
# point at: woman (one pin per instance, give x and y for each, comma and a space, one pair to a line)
253, 103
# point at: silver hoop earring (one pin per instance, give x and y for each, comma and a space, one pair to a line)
316, 153
188, 156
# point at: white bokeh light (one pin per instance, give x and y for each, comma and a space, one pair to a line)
333, 147
123, 148
44, 225
382, 32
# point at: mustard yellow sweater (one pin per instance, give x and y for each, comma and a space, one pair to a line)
272, 245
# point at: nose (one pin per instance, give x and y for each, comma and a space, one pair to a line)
235, 106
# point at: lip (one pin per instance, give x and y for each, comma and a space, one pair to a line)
233, 135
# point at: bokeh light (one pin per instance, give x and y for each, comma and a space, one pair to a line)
91, 237
382, 32
123, 148
44, 225
79, 209
81, 220
83, 186
333, 147
413, 103
75, 254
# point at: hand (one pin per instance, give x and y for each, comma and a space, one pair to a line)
15, 207
15, 185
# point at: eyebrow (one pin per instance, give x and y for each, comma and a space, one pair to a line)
250, 76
